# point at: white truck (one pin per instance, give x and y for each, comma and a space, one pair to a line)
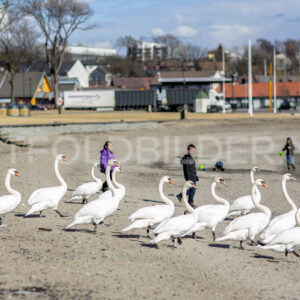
216, 100
91, 99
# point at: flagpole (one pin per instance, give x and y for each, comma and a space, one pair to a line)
224, 94
274, 84
250, 81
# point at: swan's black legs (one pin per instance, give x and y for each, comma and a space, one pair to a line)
295, 253
148, 230
60, 214
174, 242
214, 235
253, 243
194, 235
84, 200
179, 240
95, 227
241, 245
41, 214
286, 252
0, 221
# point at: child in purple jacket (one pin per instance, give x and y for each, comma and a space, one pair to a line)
106, 155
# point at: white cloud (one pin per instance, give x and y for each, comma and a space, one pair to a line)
186, 31
179, 18
105, 44
157, 31
231, 34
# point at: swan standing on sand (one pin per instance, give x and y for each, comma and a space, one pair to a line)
179, 226
284, 221
147, 217
243, 205
86, 190
9, 202
248, 226
96, 211
286, 241
49, 197
209, 216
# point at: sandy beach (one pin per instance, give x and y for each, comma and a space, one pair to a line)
77, 264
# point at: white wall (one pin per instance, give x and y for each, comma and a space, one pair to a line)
79, 71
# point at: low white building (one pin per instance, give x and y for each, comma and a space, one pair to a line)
80, 52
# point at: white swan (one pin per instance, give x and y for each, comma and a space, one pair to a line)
96, 211
179, 226
49, 197
86, 190
284, 221
286, 241
147, 217
9, 202
243, 205
209, 216
248, 226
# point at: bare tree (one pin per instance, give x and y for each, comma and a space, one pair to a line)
17, 45
130, 44
194, 53
171, 42
58, 20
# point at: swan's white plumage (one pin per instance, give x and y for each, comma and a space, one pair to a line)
9, 202
209, 216
177, 226
244, 204
86, 190
151, 215
248, 226
49, 197
97, 210
281, 222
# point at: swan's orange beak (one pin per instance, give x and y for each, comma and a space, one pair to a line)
265, 185
258, 170
64, 158
17, 174
122, 171
171, 181
292, 178
117, 165
223, 182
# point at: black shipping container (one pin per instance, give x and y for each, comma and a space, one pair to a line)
135, 99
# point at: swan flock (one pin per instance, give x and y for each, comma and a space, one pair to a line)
253, 220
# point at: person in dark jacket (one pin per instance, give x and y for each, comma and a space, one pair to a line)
106, 155
190, 173
289, 148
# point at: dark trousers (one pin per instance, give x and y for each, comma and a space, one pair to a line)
190, 193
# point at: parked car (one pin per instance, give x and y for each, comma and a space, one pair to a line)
286, 105
37, 107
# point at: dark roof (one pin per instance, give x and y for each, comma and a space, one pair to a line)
23, 87
42, 66
132, 82
178, 76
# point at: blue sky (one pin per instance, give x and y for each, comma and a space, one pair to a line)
206, 23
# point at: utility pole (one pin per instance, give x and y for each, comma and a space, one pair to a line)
270, 89
224, 92
250, 109
275, 82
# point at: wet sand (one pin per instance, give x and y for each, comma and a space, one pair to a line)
78, 264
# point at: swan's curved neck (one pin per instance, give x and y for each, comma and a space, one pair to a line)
259, 206
286, 195
216, 197
114, 181
252, 176
184, 198
60, 179
109, 183
93, 174
8, 187
298, 217
162, 195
